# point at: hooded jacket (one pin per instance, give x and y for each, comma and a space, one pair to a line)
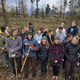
72, 30
33, 42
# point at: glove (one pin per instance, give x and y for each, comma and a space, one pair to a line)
13, 55
26, 55
31, 48
12, 51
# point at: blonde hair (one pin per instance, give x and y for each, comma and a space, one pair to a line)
76, 39
46, 44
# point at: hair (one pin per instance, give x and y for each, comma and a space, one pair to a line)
76, 39
61, 23
46, 44
12, 30
75, 21
54, 43
60, 28
68, 35
50, 31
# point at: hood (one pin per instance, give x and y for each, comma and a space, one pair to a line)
28, 33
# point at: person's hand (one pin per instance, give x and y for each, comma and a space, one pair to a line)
78, 64
26, 43
12, 51
13, 55
62, 59
31, 48
46, 29
26, 55
56, 61
2, 48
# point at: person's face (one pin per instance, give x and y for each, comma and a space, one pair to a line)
73, 24
7, 28
30, 25
44, 41
27, 29
29, 36
70, 39
77, 37
14, 33
24, 29
60, 30
74, 41
62, 24
39, 32
56, 41
51, 33
12, 27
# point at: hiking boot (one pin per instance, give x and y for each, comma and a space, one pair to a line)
45, 75
42, 75
26, 77
19, 75
69, 77
62, 71
12, 76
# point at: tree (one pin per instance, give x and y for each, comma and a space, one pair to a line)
32, 7
47, 10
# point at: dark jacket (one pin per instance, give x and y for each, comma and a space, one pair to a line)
32, 29
43, 52
64, 42
23, 36
52, 37
56, 52
72, 30
72, 51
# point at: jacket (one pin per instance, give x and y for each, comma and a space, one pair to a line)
72, 51
72, 30
43, 52
56, 52
32, 29
14, 44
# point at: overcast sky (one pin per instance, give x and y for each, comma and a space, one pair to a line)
42, 3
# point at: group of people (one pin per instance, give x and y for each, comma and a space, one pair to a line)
61, 50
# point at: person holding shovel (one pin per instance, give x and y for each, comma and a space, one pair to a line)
32, 54
14, 45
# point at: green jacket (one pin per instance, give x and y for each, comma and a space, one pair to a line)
2, 43
32, 29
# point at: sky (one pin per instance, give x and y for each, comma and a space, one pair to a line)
42, 3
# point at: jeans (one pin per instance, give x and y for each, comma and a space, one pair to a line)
18, 61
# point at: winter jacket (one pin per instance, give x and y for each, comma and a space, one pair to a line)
72, 51
2, 43
43, 52
14, 44
62, 36
25, 48
52, 37
72, 30
32, 29
56, 52
23, 36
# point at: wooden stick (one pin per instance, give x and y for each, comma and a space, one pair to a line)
49, 37
15, 68
25, 60
4, 49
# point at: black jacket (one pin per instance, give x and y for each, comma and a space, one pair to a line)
43, 52
72, 51
52, 37
23, 36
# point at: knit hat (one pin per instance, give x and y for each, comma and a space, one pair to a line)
3, 28
57, 37
30, 23
44, 37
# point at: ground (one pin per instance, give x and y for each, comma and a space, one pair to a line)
37, 24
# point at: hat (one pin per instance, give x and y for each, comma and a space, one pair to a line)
30, 23
3, 28
44, 37
57, 37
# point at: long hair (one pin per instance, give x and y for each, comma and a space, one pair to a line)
46, 44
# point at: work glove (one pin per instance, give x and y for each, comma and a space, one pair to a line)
31, 48
26, 55
14, 55
12, 50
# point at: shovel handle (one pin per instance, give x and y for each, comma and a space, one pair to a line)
25, 60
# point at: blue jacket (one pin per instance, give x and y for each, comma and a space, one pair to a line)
26, 47
38, 37
72, 30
